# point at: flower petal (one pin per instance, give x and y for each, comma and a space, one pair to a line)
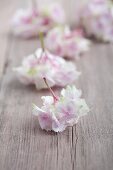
37, 110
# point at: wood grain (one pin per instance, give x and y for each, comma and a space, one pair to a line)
86, 146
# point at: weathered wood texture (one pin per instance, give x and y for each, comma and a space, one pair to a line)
23, 145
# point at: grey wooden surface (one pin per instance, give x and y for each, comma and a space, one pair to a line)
23, 145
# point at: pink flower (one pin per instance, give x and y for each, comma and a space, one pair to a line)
67, 43
28, 23
44, 64
57, 113
97, 19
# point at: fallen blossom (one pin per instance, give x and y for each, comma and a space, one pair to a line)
29, 22
44, 64
59, 112
64, 42
97, 19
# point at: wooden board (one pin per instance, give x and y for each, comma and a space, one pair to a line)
86, 146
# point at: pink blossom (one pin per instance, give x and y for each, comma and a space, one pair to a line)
29, 22
67, 43
58, 114
44, 64
97, 19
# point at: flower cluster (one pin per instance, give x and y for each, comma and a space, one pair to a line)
44, 64
67, 43
97, 19
59, 112
29, 22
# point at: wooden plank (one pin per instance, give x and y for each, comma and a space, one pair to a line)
94, 133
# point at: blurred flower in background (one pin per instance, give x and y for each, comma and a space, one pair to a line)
29, 22
66, 43
97, 19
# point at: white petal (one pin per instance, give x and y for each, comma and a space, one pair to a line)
47, 100
83, 108
37, 110
57, 126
